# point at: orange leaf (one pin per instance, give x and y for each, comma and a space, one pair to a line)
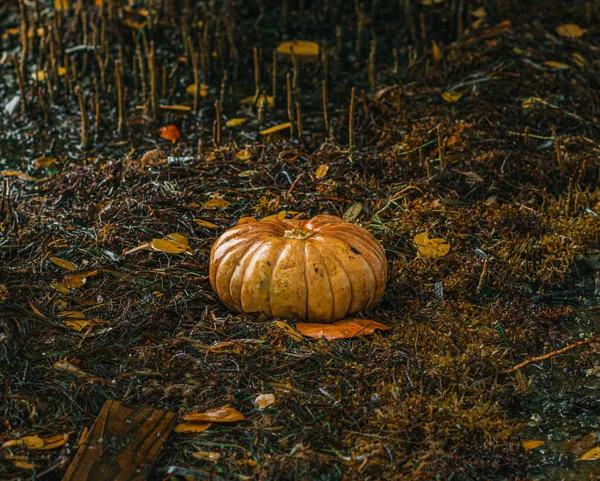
192, 427
530, 444
63, 263
344, 329
224, 414
169, 132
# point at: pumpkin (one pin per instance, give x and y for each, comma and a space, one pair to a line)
320, 270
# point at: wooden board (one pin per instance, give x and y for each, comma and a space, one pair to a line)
122, 445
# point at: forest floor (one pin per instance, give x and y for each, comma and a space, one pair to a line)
488, 141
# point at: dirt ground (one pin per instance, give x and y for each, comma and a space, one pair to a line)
475, 122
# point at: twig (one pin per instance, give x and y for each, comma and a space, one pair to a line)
550, 354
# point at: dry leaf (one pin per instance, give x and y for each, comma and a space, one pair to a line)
591, 455
44, 162
179, 238
207, 456
235, 122
73, 281
263, 401
436, 51
216, 203
168, 246
16, 173
3, 293
530, 444
570, 30
169, 132
63, 263
246, 220
353, 212
224, 414
529, 102
191, 89
60, 288
321, 171
343, 329
77, 324
243, 155
302, 48
559, 65
176, 108
289, 330
260, 102
36, 311
192, 427
38, 443
451, 96
430, 248
72, 314
279, 216
17, 463
277, 129
579, 59
205, 223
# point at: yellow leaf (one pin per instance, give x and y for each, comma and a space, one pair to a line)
344, 329
23, 464
353, 212
168, 246
216, 203
77, 324
179, 238
246, 220
61, 4
277, 129
191, 89
176, 108
301, 48
62, 71
60, 288
192, 427
205, 223
279, 216
3, 293
579, 59
261, 100
36, 311
223, 414
16, 173
451, 96
530, 444
44, 162
591, 455
63, 263
430, 248
436, 52
72, 314
322, 171
289, 330
235, 122
39, 75
263, 401
73, 281
529, 102
244, 155
570, 30
553, 64
207, 456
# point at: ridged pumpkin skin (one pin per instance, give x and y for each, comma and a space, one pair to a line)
320, 270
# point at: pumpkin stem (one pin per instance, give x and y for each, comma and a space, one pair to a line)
298, 234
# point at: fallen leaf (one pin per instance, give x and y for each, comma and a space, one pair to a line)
61, 4
289, 330
73, 281
191, 89
343, 329
579, 59
207, 456
77, 324
179, 238
72, 314
216, 203
63, 263
235, 122
243, 155
591, 455
35, 442
3, 293
353, 212
169, 132
23, 464
530, 444
570, 30
60, 288
168, 246
263, 401
245, 220
16, 173
529, 102
44, 162
430, 248
451, 96
321, 171
36, 311
302, 48
277, 129
260, 102
224, 414
279, 216
176, 108
205, 223
192, 427
559, 65
436, 51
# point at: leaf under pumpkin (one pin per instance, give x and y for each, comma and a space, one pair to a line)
344, 329
224, 414
431, 248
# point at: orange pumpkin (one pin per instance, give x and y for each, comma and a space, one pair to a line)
321, 270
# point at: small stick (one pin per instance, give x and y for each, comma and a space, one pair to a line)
395, 54
152, 68
550, 354
325, 114
163, 82
296, 180
119, 81
299, 120
256, 76
218, 126
96, 109
372, 64
274, 77
557, 145
484, 276
21, 82
526, 134
288, 84
81, 99
223, 87
294, 70
351, 118
195, 71
441, 149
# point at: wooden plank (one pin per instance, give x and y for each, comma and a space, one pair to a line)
122, 445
